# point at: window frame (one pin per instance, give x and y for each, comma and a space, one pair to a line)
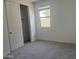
41, 9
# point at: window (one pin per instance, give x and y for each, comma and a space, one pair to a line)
44, 14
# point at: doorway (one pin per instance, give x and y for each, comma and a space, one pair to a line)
25, 23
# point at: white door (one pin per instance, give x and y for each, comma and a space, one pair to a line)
14, 25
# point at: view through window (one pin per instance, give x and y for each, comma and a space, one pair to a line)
44, 14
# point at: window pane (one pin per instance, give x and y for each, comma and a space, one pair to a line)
45, 13
45, 22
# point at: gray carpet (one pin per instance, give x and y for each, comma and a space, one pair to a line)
46, 50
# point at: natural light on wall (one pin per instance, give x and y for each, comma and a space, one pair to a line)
44, 13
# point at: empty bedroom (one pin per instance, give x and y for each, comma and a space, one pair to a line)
39, 29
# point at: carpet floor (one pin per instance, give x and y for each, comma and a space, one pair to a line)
45, 50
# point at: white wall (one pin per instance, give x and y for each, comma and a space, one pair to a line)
6, 46
63, 21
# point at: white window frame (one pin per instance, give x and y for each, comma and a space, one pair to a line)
44, 8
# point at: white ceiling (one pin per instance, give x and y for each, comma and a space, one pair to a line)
38, 0
34, 0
